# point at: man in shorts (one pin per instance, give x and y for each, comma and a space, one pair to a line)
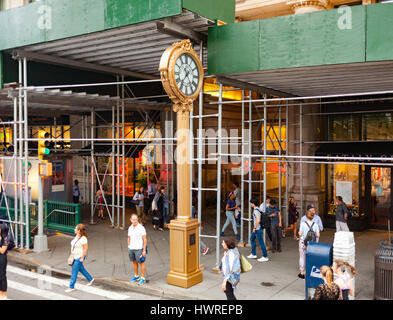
137, 243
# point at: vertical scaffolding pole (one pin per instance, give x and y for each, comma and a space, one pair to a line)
15, 159
301, 153
286, 164
191, 155
83, 158
123, 151
249, 160
200, 124
118, 153
26, 136
20, 178
113, 166
219, 140
92, 194
242, 179
279, 165
264, 155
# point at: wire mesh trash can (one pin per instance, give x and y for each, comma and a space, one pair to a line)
383, 282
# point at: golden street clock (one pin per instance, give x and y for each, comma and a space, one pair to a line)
181, 72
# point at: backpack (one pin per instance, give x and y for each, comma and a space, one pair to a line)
11, 244
310, 236
264, 222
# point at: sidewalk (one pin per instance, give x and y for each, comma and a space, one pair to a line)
276, 279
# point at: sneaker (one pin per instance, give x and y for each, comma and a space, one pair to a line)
296, 238
222, 234
263, 259
301, 276
91, 282
69, 290
237, 237
142, 281
135, 278
205, 251
283, 233
252, 256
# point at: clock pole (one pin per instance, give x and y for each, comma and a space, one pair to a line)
184, 230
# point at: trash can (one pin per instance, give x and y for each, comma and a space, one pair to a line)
317, 255
383, 281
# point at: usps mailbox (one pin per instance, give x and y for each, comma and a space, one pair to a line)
317, 255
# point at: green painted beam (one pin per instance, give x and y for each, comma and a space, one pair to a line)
311, 39
49, 20
223, 10
379, 32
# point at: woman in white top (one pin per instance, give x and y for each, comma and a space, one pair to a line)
79, 251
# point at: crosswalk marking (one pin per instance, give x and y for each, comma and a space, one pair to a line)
65, 283
37, 292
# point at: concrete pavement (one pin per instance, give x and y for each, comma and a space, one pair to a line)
276, 279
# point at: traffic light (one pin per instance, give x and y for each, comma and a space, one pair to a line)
43, 145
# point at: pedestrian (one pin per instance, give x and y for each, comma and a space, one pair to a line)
327, 290
160, 208
230, 268
137, 248
166, 208
4, 243
315, 218
293, 215
257, 233
230, 213
341, 215
344, 273
264, 205
236, 192
155, 211
151, 193
76, 192
305, 227
140, 197
79, 249
100, 203
275, 226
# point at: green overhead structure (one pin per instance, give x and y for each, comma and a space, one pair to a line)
68, 18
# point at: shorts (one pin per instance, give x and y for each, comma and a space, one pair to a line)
135, 255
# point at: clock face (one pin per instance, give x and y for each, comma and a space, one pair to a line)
186, 74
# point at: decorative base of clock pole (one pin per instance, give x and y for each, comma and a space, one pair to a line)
184, 271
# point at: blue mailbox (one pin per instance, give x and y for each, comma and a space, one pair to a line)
317, 255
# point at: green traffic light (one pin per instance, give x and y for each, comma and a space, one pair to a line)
46, 151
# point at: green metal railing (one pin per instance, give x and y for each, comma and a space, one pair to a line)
32, 218
61, 216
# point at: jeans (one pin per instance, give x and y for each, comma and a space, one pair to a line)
276, 237
166, 215
3, 272
77, 266
257, 235
230, 219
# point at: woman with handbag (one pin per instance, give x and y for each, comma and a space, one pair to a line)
230, 268
77, 256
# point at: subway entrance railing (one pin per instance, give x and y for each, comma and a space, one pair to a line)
58, 216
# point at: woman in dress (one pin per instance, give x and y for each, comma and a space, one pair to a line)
230, 268
327, 290
79, 251
4, 242
100, 204
292, 218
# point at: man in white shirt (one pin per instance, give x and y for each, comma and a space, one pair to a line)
315, 218
137, 243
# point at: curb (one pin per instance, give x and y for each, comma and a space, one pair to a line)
111, 282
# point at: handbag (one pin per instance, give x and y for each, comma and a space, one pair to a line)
244, 264
71, 259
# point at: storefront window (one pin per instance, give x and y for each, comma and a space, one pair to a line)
344, 128
378, 126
